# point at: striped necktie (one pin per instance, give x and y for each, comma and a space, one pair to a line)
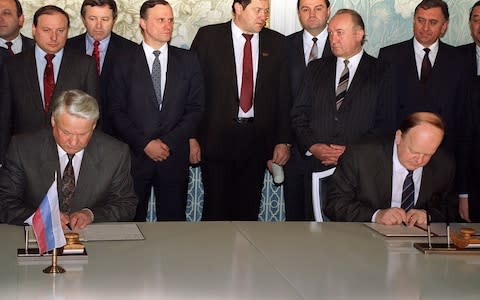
342, 85
314, 51
408, 192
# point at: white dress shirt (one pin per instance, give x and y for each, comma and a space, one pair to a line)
238, 45
419, 54
308, 43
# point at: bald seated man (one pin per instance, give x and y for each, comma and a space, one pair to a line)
394, 180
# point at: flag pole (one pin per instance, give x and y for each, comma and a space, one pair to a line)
54, 268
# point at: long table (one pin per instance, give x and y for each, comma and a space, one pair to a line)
245, 260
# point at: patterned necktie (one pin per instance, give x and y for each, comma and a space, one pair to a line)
246, 91
314, 51
10, 50
426, 66
342, 85
157, 77
48, 81
96, 55
408, 192
67, 186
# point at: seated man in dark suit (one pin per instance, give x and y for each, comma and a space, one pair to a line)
94, 181
393, 181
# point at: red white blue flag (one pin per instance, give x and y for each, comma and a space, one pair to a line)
46, 222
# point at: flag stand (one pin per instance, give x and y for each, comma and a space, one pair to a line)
54, 268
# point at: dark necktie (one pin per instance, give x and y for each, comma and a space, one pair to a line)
314, 51
408, 192
157, 77
10, 50
426, 66
48, 81
96, 55
67, 185
246, 92
342, 85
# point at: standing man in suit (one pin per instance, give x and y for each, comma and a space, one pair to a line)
428, 72
105, 46
246, 121
303, 46
11, 21
471, 52
394, 182
32, 79
342, 99
157, 99
96, 166
469, 200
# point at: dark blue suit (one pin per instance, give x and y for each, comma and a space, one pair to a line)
116, 47
137, 120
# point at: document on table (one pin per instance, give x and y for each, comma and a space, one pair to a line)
437, 229
103, 232
402, 230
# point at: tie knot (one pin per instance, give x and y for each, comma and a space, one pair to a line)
156, 53
427, 50
314, 40
9, 44
70, 156
247, 36
96, 43
49, 57
346, 62
410, 173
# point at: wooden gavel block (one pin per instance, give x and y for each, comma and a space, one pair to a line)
464, 237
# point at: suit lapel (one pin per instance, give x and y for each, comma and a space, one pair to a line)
32, 80
173, 76
426, 185
362, 74
88, 171
49, 161
383, 174
299, 51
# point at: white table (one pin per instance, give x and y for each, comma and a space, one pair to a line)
246, 260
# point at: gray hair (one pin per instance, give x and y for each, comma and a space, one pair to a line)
76, 103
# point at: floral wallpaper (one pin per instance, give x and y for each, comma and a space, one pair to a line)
386, 21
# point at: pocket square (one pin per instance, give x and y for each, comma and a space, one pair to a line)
265, 54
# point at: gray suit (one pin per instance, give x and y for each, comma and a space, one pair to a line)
104, 183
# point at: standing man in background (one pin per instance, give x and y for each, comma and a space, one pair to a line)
11, 21
469, 200
246, 121
342, 100
101, 43
32, 79
156, 98
428, 73
306, 45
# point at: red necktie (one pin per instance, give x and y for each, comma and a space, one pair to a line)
96, 55
48, 81
246, 92
10, 50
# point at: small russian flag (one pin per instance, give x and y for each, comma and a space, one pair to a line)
46, 222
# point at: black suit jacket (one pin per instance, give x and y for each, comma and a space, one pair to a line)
104, 183
21, 106
133, 105
367, 108
296, 59
214, 47
362, 183
116, 47
444, 93
27, 43
468, 54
